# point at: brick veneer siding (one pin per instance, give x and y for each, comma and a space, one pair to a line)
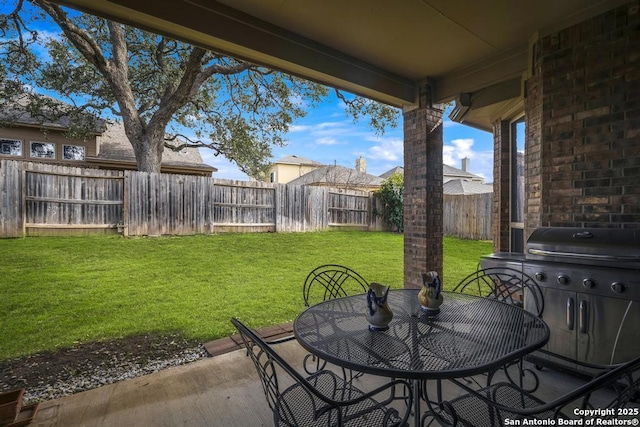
501, 200
583, 125
533, 154
423, 191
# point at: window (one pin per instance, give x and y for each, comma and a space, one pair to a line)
10, 147
273, 177
72, 152
517, 185
45, 150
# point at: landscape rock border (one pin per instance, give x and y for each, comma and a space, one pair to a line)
51, 375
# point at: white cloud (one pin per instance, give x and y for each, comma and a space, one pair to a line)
299, 128
448, 155
448, 123
457, 149
316, 128
387, 149
326, 141
481, 162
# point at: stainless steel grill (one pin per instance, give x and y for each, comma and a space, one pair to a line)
590, 279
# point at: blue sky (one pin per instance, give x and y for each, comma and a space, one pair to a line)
327, 135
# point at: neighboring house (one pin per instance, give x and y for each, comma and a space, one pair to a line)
340, 177
115, 152
24, 137
289, 168
448, 173
105, 147
397, 170
464, 187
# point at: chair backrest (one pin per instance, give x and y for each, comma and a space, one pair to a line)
332, 281
265, 361
505, 284
324, 398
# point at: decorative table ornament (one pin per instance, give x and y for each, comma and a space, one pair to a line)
430, 296
378, 312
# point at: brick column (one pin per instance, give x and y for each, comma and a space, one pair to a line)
422, 190
501, 179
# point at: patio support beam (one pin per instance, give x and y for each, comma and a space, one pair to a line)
501, 184
215, 26
423, 226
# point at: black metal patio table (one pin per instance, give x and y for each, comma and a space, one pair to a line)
471, 335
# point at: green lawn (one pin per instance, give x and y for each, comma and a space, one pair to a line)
56, 292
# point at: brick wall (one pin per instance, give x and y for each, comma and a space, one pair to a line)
583, 125
423, 191
501, 201
533, 154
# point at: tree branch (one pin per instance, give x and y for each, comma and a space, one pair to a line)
190, 143
76, 35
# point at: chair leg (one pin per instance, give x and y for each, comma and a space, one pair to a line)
523, 374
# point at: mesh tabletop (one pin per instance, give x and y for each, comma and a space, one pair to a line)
470, 335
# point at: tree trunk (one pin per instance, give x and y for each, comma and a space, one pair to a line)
148, 147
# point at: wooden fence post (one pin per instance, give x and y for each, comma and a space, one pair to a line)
125, 204
23, 183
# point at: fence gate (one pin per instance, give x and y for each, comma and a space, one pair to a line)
349, 209
56, 202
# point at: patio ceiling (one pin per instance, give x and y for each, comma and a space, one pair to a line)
376, 48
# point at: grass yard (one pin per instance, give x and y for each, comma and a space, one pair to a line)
57, 292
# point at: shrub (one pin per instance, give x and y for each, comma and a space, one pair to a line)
391, 194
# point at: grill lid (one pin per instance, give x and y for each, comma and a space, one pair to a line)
596, 246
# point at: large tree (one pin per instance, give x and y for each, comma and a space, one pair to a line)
160, 89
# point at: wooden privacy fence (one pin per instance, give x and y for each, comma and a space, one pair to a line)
467, 216
38, 198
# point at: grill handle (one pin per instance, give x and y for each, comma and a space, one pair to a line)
570, 310
543, 252
582, 323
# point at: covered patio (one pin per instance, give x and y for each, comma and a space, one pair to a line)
568, 71
220, 391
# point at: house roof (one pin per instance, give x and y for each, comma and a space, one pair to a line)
446, 171
391, 172
297, 160
113, 144
451, 171
338, 175
53, 113
461, 186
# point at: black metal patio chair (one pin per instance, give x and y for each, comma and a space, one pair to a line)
332, 281
323, 398
324, 283
504, 284
506, 404
513, 287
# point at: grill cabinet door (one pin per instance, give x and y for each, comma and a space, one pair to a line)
560, 315
607, 328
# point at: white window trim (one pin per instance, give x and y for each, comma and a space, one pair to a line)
84, 152
43, 142
12, 140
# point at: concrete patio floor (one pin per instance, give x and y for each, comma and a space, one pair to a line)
219, 391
